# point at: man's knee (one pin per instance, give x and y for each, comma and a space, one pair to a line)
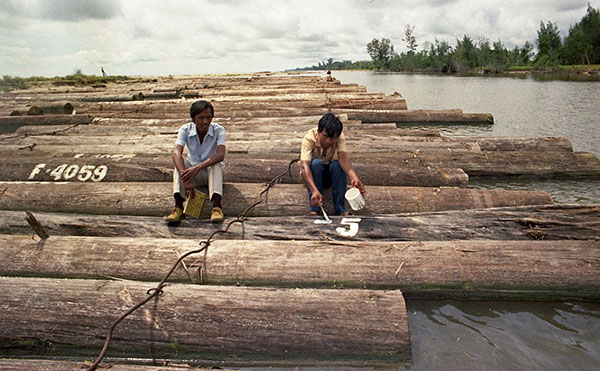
317, 165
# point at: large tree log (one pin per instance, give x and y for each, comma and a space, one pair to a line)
555, 164
254, 324
277, 128
154, 199
540, 222
465, 266
419, 116
242, 170
18, 364
391, 137
164, 144
45, 120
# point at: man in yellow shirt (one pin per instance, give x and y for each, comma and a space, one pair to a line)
325, 163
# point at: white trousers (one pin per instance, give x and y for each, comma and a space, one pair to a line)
211, 177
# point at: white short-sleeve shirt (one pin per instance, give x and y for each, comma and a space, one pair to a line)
188, 136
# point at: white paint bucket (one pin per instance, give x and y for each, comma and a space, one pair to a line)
355, 199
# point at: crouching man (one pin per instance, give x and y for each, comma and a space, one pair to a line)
203, 166
324, 163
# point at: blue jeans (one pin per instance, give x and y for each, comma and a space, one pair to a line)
326, 176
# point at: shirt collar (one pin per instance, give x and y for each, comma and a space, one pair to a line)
194, 131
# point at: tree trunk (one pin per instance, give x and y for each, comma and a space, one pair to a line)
420, 116
155, 199
46, 120
204, 322
414, 267
242, 170
539, 222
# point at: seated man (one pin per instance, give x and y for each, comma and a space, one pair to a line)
324, 163
203, 166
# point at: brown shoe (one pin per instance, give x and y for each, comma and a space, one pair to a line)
176, 215
216, 216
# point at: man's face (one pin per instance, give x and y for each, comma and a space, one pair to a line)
203, 120
325, 140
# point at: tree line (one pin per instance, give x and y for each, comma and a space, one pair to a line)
580, 47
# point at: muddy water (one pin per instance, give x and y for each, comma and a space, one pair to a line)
503, 335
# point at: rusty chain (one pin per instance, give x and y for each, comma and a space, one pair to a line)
153, 292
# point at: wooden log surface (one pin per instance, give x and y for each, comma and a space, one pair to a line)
211, 322
242, 170
46, 120
291, 138
410, 266
257, 128
18, 364
555, 164
156, 145
538, 222
155, 199
420, 116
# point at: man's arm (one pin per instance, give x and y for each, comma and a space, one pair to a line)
316, 198
190, 173
346, 165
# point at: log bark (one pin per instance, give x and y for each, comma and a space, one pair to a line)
540, 222
242, 170
224, 323
154, 199
465, 266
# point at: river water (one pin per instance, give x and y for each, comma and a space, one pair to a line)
505, 335
522, 107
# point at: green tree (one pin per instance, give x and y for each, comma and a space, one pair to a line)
381, 52
409, 38
582, 45
548, 42
465, 54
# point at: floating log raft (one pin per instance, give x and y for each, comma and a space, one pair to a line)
154, 199
539, 222
414, 267
211, 322
248, 170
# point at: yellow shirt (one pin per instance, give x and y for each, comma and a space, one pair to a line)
311, 148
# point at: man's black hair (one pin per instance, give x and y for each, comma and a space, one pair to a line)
331, 124
199, 106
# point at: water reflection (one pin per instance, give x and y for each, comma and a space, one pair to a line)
561, 190
476, 335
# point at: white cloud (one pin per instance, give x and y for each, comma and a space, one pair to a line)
150, 37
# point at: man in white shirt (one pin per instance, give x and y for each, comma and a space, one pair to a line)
203, 166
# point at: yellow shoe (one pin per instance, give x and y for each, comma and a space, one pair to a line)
176, 216
216, 216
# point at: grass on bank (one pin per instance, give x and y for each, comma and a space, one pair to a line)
9, 83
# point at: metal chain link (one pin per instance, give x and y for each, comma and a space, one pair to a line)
153, 292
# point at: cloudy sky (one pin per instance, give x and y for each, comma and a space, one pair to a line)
158, 37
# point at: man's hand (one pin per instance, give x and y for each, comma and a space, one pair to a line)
358, 184
316, 199
189, 174
188, 188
